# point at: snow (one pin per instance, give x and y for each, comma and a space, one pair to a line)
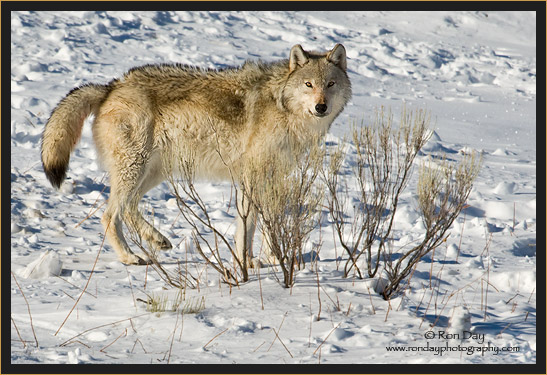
49, 264
475, 72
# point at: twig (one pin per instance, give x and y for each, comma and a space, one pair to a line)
464, 209
146, 276
279, 338
488, 241
90, 214
259, 346
514, 216
318, 293
531, 294
18, 334
278, 330
74, 285
512, 298
260, 287
423, 295
172, 339
504, 328
204, 346
181, 325
370, 297
33, 165
101, 326
407, 286
332, 330
131, 287
93, 205
136, 345
132, 326
440, 313
69, 296
81, 343
431, 270
311, 321
336, 304
28, 308
426, 309
87, 283
121, 334
389, 308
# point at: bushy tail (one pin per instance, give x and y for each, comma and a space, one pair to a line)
64, 128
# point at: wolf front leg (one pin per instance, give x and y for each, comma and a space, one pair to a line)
245, 229
268, 255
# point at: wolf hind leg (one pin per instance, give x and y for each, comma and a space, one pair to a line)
112, 223
134, 217
127, 167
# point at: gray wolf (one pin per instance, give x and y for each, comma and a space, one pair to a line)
144, 120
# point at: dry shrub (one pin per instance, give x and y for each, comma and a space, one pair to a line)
286, 197
443, 189
384, 163
194, 210
280, 190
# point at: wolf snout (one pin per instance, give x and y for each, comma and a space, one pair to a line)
321, 109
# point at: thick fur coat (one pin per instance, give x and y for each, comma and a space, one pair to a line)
147, 119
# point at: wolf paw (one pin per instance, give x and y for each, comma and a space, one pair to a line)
134, 260
144, 261
162, 244
262, 263
270, 260
255, 263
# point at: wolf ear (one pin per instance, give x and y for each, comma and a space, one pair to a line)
298, 57
337, 56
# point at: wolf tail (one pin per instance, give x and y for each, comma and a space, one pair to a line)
64, 128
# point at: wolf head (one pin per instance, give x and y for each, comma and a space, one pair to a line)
317, 85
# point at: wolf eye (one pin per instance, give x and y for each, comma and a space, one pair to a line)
330, 84
309, 84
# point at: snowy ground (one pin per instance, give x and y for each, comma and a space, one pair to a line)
475, 72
